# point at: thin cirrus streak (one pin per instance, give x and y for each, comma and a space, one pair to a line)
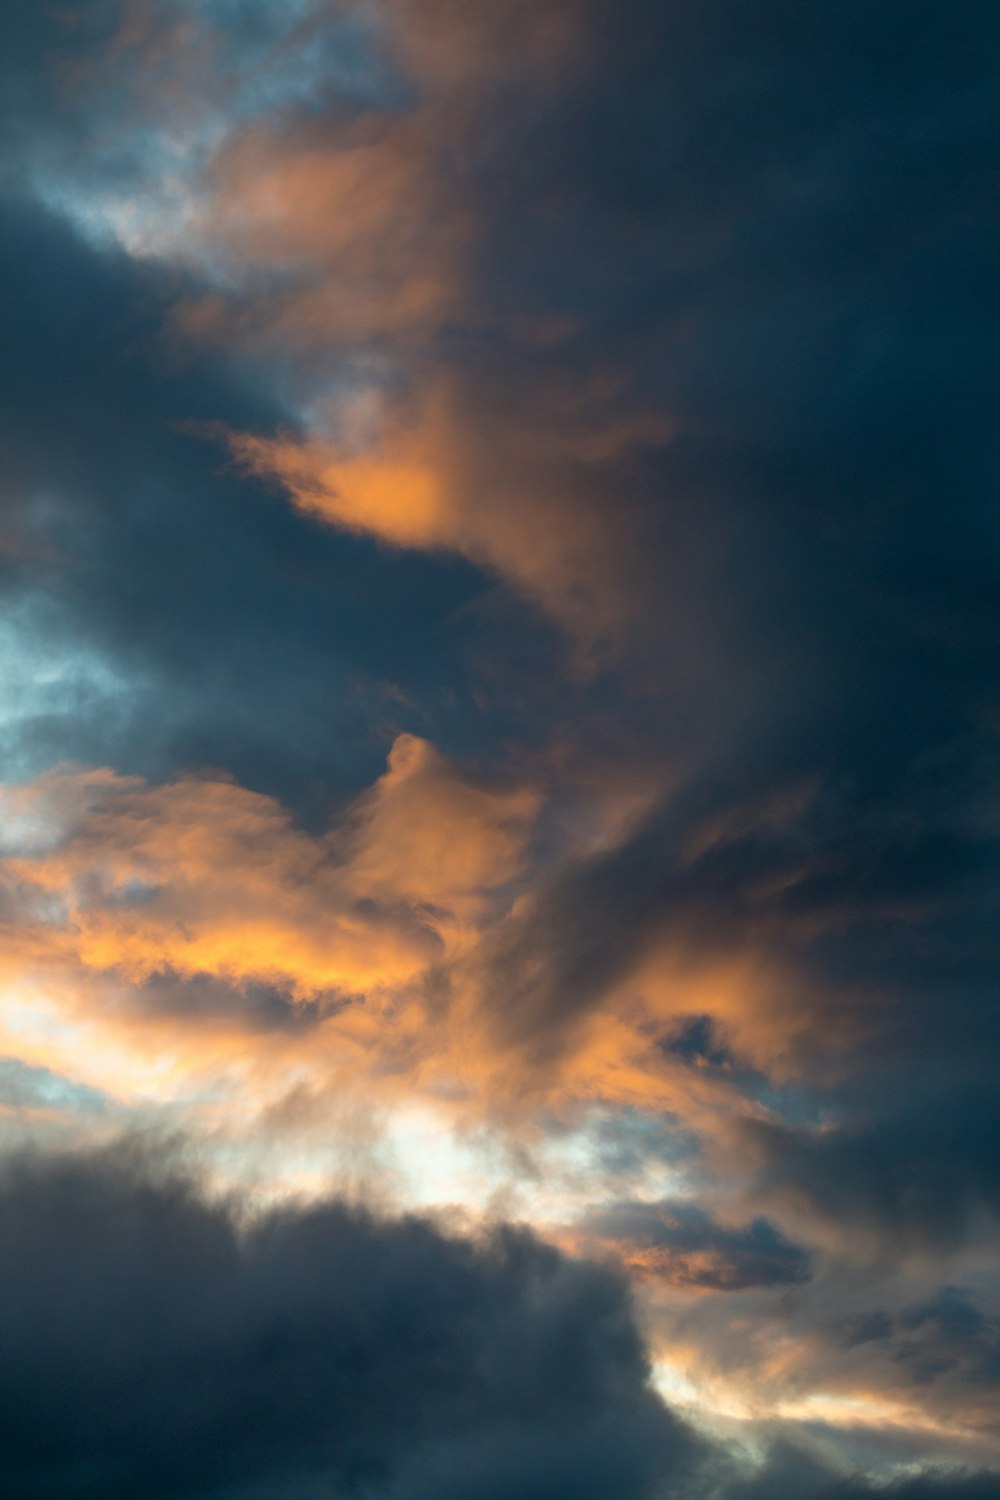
499, 854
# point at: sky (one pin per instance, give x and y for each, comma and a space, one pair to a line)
500, 748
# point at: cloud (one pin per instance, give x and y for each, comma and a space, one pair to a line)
516, 491
157, 1341
801, 1477
679, 1244
939, 1485
648, 250
899, 1182
166, 596
612, 394
163, 1340
188, 946
203, 877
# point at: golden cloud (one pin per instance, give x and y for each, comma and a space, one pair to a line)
202, 876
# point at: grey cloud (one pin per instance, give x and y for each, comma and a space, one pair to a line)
681, 1244
161, 1343
775, 229
156, 1344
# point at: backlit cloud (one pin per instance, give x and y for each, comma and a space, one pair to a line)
499, 648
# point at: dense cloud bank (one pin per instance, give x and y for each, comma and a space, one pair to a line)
161, 1344
154, 1346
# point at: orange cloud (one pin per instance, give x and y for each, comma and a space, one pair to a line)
344, 232
404, 934
111, 881
205, 877
350, 239
514, 491
348, 236
399, 496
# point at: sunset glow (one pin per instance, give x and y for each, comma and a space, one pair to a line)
498, 701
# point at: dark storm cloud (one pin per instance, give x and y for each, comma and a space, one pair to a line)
155, 1347
780, 230
776, 229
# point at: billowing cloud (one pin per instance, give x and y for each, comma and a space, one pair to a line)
204, 877
161, 1339
157, 1342
604, 394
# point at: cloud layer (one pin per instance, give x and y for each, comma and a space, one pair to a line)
498, 694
